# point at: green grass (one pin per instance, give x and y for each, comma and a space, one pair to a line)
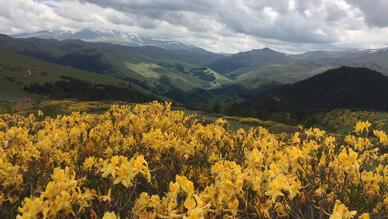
177, 79
284, 73
220, 79
14, 61
18, 71
170, 78
145, 69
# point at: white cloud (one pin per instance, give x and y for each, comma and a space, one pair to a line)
218, 25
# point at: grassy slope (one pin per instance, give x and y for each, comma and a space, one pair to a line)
284, 74
220, 79
145, 69
301, 69
105, 58
298, 68
17, 71
177, 79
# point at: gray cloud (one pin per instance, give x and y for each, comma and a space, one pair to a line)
219, 25
375, 12
285, 20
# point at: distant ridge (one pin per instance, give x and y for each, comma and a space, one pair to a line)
150, 67
344, 87
253, 58
199, 55
118, 37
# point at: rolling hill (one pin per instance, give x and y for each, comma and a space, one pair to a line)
340, 88
18, 71
118, 61
252, 69
197, 55
287, 73
257, 68
184, 72
233, 65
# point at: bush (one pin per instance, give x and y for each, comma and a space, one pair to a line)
149, 161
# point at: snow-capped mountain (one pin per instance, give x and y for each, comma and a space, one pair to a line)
116, 37
339, 54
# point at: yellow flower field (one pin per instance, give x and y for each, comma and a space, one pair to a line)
149, 161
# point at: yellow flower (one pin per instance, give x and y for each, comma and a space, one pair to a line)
186, 184
295, 153
140, 165
296, 138
364, 216
254, 157
275, 187
280, 185
362, 127
350, 139
383, 138
32, 207
124, 171
330, 140
314, 132
340, 211
348, 160
196, 213
145, 204
110, 215
224, 169
190, 202
89, 163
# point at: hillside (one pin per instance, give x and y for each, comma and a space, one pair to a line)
252, 70
257, 68
117, 61
280, 73
345, 87
198, 55
252, 59
18, 71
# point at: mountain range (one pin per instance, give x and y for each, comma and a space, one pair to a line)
265, 66
117, 37
188, 74
251, 69
151, 66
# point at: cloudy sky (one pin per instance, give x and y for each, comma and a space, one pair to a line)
217, 25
